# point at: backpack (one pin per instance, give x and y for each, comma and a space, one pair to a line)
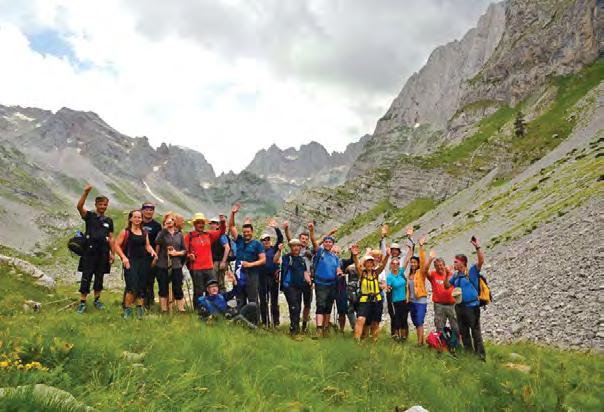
436, 341
77, 244
484, 291
450, 339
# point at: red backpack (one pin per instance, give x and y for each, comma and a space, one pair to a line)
435, 340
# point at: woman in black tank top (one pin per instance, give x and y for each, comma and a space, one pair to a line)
133, 247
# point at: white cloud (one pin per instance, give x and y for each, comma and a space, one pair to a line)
244, 82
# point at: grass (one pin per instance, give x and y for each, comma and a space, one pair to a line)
192, 366
365, 218
546, 131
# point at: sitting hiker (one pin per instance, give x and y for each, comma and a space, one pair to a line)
370, 301
215, 303
468, 311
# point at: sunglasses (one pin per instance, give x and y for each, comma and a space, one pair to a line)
148, 208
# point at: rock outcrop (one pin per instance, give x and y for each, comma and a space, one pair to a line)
27, 268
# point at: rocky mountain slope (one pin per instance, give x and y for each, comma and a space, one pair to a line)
464, 168
47, 157
312, 165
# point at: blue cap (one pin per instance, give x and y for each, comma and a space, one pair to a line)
333, 239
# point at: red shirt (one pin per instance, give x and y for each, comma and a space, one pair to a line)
439, 293
201, 246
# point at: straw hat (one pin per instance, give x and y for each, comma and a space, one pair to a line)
198, 216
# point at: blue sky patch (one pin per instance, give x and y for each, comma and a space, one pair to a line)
50, 42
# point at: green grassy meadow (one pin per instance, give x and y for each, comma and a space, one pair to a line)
187, 365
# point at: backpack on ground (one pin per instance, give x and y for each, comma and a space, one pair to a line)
436, 341
450, 339
77, 244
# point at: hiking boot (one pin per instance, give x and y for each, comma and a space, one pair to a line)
127, 313
304, 327
140, 312
99, 305
81, 308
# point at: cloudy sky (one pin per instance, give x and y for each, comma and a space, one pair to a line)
225, 77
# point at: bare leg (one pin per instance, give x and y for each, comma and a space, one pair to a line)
128, 300
420, 335
375, 331
163, 302
358, 328
342, 322
180, 304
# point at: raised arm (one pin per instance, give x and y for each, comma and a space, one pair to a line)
288, 234
278, 254
232, 227
82, 201
407, 257
426, 267
479, 252
311, 232
273, 223
384, 262
383, 242
354, 249
422, 252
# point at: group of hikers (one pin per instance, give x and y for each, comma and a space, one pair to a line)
234, 274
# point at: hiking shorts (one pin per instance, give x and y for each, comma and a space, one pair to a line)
307, 295
401, 313
418, 313
325, 295
164, 277
93, 265
371, 311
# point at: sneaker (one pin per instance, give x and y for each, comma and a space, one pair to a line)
81, 308
140, 312
127, 313
99, 305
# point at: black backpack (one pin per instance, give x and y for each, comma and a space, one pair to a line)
77, 244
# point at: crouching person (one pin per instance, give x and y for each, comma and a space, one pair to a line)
215, 304
294, 276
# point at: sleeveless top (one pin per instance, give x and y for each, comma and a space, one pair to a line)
135, 245
370, 288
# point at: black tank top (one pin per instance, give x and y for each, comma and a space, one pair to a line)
135, 248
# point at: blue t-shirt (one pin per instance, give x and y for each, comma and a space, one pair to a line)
326, 267
469, 286
248, 252
398, 284
223, 239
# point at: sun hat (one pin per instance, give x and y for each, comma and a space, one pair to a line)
395, 246
295, 242
366, 258
215, 219
198, 216
264, 236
